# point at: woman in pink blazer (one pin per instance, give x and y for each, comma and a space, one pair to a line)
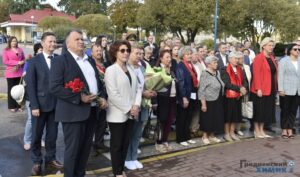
13, 58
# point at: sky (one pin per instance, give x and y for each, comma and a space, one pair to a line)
53, 3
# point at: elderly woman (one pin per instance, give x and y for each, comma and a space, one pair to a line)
124, 99
263, 88
235, 86
247, 72
13, 59
289, 89
211, 95
187, 96
166, 100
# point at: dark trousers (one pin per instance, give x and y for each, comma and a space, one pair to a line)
119, 141
165, 126
100, 128
288, 106
46, 119
183, 121
12, 104
78, 137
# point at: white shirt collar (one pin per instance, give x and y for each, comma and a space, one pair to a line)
76, 57
46, 55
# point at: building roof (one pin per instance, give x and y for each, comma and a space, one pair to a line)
38, 15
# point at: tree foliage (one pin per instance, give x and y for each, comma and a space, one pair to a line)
253, 20
61, 31
177, 16
83, 7
51, 22
94, 24
16, 7
4, 13
124, 14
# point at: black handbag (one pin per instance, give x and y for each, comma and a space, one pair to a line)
150, 130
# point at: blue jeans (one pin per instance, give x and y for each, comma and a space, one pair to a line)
28, 126
136, 135
28, 131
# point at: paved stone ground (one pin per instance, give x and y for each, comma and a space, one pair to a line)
224, 160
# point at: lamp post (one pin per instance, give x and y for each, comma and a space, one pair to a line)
32, 17
216, 25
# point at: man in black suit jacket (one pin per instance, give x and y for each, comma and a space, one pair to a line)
222, 56
42, 105
154, 46
76, 110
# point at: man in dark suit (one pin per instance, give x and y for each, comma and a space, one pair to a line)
42, 105
222, 56
154, 46
77, 110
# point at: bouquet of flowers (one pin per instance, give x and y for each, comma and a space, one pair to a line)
156, 78
77, 86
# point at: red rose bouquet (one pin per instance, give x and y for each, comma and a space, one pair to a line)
76, 85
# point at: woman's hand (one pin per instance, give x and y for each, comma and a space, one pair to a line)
259, 93
281, 93
149, 94
203, 108
185, 102
135, 111
21, 62
243, 90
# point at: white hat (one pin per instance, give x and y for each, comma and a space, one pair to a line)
17, 92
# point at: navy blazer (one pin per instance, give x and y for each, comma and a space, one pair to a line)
69, 107
37, 80
184, 80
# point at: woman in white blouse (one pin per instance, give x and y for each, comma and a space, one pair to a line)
124, 103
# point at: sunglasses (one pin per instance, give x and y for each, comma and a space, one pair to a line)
297, 49
125, 50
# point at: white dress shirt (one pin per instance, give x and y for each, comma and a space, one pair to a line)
88, 72
223, 59
48, 60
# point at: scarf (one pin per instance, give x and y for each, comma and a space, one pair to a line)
193, 73
235, 79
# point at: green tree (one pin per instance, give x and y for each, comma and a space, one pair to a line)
253, 20
124, 14
94, 24
4, 13
61, 31
19, 7
83, 7
52, 22
177, 16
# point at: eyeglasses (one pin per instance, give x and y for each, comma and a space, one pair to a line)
123, 50
296, 49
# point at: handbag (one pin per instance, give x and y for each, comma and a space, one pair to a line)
150, 130
247, 107
18, 92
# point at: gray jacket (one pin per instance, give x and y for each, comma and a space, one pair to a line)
288, 77
210, 86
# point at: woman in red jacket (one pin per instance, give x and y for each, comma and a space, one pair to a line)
263, 88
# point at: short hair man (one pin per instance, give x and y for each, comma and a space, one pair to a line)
76, 108
42, 104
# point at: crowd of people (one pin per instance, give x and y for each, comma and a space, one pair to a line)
107, 86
